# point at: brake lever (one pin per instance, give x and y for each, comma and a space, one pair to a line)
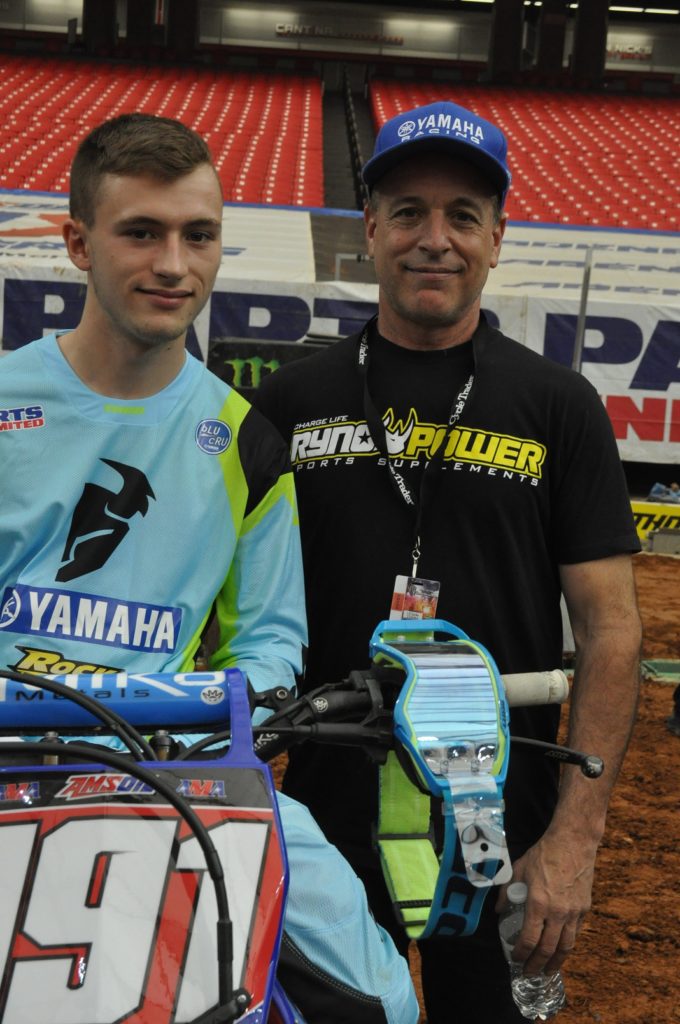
591, 765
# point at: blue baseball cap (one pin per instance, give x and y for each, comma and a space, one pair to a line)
446, 128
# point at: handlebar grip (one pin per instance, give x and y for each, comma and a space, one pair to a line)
523, 689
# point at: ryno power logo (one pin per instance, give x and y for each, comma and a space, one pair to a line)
338, 440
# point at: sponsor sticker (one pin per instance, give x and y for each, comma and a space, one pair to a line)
213, 436
212, 695
85, 787
104, 784
19, 792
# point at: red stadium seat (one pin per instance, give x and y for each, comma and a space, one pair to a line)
574, 152
265, 131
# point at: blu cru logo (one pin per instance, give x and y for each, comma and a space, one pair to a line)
213, 436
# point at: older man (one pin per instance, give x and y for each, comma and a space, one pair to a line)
431, 445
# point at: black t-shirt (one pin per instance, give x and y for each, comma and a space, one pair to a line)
529, 479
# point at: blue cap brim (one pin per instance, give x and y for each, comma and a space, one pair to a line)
375, 168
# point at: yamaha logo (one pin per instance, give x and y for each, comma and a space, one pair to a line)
320, 704
10, 610
407, 128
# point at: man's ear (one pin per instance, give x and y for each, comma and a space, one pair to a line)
498, 232
74, 233
369, 225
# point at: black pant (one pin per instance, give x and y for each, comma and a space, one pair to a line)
463, 979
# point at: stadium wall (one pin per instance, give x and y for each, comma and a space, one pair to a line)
367, 32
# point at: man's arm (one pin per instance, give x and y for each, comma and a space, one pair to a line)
559, 869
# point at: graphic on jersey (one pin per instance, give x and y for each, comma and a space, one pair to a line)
213, 436
38, 661
60, 615
342, 439
99, 521
24, 416
397, 432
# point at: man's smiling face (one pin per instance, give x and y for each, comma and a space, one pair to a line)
434, 232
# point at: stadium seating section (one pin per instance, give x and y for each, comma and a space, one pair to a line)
576, 158
264, 131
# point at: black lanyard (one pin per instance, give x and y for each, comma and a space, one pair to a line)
376, 428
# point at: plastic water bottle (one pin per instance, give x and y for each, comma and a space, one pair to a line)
537, 996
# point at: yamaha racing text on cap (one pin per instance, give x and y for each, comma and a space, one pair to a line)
444, 127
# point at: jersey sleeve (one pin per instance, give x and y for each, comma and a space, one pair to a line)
261, 606
336, 963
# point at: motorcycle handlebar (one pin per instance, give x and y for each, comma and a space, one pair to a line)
194, 701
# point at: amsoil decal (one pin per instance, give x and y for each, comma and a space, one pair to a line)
64, 614
341, 440
103, 784
22, 417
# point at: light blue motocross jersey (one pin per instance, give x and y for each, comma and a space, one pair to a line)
336, 963
123, 522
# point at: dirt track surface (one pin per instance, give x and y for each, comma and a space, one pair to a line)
626, 963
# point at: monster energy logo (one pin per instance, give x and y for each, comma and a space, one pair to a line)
248, 373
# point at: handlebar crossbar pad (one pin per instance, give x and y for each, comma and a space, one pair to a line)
181, 702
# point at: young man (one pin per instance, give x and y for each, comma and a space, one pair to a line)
431, 445
148, 493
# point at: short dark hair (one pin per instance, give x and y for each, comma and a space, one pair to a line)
132, 144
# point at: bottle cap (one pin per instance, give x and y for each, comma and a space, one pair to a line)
517, 892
